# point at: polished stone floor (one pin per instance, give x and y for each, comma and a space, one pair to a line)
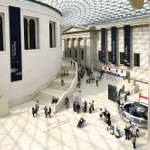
20, 131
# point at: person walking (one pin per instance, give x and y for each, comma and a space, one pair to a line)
134, 141
85, 106
126, 132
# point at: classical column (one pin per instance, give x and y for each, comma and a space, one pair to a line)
78, 51
65, 48
72, 48
85, 53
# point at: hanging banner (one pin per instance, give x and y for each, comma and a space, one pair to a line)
103, 45
113, 44
15, 43
127, 45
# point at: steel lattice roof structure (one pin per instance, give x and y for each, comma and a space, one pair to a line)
88, 12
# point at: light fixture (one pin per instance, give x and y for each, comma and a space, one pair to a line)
137, 4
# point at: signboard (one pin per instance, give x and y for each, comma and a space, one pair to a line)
113, 45
15, 43
103, 45
127, 45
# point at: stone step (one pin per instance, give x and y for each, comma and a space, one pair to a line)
43, 99
68, 68
40, 96
55, 88
57, 85
71, 76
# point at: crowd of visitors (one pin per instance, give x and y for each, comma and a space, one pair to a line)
131, 131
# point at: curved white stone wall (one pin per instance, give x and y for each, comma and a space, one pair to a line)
39, 66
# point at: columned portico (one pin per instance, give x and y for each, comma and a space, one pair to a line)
81, 45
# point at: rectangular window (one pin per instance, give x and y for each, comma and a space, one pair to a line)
75, 53
109, 56
99, 55
82, 54
121, 57
137, 59
52, 34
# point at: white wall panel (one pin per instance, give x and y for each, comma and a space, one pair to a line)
39, 66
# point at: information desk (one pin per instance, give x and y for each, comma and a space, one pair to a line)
4, 106
114, 70
135, 112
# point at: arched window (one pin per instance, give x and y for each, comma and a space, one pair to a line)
50, 35
26, 33
32, 32
1, 34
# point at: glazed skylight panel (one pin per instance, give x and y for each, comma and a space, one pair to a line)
86, 12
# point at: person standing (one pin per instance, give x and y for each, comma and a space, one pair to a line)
71, 62
118, 102
139, 96
85, 106
45, 111
74, 106
49, 112
123, 89
90, 108
33, 111
126, 132
62, 82
125, 97
92, 105
36, 107
96, 82
134, 141
108, 123
78, 107
67, 102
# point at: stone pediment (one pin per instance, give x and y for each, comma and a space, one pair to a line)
75, 29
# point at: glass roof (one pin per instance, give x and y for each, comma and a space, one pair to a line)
88, 12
